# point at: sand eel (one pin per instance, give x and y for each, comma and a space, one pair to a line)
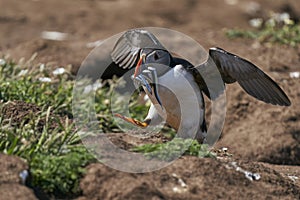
139, 48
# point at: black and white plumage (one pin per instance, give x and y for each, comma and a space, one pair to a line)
137, 45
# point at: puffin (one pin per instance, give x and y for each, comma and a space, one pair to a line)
174, 85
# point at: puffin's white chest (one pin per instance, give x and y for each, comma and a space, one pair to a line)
182, 100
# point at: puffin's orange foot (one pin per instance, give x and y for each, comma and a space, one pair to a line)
132, 121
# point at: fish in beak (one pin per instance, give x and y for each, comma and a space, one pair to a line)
148, 80
146, 77
151, 90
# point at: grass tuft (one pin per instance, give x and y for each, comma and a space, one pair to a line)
170, 150
48, 141
285, 32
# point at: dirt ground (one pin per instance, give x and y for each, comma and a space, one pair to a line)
11, 185
263, 139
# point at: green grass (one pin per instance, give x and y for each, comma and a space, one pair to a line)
172, 149
54, 151
287, 33
15, 85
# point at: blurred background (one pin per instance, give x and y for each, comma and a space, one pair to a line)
25, 25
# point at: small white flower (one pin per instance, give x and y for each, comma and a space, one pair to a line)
2, 62
295, 74
257, 22
59, 71
106, 101
45, 79
146, 98
97, 85
23, 72
282, 17
42, 67
93, 87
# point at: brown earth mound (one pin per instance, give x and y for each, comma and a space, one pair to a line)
11, 183
19, 112
189, 178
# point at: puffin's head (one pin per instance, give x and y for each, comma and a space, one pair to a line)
157, 57
157, 62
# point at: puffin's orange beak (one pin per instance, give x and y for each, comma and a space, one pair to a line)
133, 121
138, 66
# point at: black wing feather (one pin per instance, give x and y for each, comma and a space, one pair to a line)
252, 79
127, 48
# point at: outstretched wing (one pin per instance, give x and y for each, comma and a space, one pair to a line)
127, 48
252, 79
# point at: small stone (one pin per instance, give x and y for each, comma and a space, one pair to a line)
295, 74
45, 79
257, 22
59, 71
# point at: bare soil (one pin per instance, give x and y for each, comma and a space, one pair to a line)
11, 185
263, 139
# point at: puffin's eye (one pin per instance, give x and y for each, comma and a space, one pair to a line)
156, 57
